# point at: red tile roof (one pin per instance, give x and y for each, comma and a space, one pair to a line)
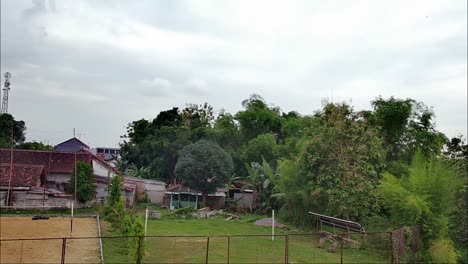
53, 161
23, 175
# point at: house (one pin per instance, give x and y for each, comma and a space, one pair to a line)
71, 145
57, 168
242, 199
181, 196
154, 190
102, 191
107, 154
25, 187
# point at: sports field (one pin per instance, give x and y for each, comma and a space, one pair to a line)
48, 251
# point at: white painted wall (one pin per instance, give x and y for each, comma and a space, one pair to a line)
102, 170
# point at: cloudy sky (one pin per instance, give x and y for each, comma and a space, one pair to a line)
98, 65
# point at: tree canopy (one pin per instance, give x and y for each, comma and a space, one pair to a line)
204, 166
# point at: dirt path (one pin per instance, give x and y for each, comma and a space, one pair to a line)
48, 251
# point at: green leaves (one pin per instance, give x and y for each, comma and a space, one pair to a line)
86, 189
204, 166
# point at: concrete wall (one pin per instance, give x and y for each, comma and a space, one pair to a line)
28, 200
58, 181
102, 170
155, 192
247, 200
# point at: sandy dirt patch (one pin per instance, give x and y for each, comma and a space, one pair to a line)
48, 251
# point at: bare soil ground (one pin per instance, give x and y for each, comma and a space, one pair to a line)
48, 251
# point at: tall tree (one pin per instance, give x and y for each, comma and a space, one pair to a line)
258, 118
204, 166
338, 167
12, 132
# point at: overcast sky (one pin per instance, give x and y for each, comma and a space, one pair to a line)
98, 65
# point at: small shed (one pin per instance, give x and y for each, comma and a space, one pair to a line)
181, 196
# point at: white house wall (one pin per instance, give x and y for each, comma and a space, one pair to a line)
101, 170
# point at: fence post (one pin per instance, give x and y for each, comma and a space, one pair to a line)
139, 250
228, 249
391, 248
207, 249
64, 245
286, 249
341, 245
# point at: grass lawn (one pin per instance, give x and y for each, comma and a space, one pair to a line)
302, 249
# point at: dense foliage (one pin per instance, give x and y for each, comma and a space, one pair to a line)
204, 166
12, 132
389, 162
85, 189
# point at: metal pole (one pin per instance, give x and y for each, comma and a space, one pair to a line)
64, 245
341, 241
272, 225
228, 249
75, 177
207, 249
146, 221
71, 219
139, 253
286, 249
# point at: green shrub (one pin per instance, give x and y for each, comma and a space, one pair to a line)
443, 251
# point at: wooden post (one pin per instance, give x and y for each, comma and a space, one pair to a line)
8, 200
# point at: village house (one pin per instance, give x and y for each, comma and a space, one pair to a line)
39, 175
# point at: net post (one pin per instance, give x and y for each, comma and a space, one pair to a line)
139, 250
286, 249
228, 248
64, 245
207, 249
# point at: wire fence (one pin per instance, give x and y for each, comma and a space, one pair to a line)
382, 247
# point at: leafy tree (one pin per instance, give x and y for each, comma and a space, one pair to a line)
392, 117
258, 118
264, 178
35, 146
11, 131
85, 188
262, 147
204, 166
196, 116
338, 167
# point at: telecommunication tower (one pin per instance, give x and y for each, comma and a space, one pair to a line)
5, 93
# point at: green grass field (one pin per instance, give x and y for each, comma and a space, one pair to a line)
302, 249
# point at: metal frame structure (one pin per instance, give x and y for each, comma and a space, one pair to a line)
6, 88
340, 223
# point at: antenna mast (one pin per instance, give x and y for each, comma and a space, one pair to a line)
5, 93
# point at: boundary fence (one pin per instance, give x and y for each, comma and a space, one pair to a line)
388, 245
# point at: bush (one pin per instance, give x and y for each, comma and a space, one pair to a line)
443, 251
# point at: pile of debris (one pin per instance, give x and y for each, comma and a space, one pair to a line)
207, 213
